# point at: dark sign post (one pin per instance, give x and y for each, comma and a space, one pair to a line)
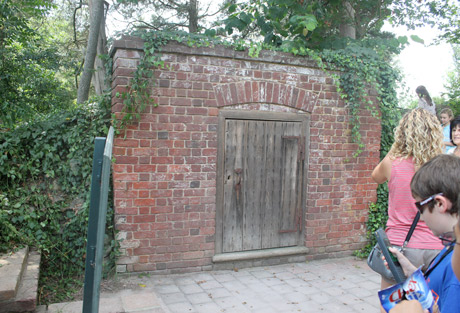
102, 159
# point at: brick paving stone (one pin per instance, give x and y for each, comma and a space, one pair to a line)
210, 284
334, 291
296, 282
307, 276
310, 289
248, 279
221, 278
283, 288
172, 298
255, 303
219, 293
190, 288
360, 292
225, 302
335, 307
184, 281
266, 310
210, 307
350, 299
234, 285
272, 281
285, 275
258, 287
199, 298
182, 307
201, 276
271, 297
296, 297
364, 307
165, 289
263, 273
321, 298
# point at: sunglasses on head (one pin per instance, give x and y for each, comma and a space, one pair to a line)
421, 204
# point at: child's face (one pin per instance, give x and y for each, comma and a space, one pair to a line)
444, 119
456, 135
438, 220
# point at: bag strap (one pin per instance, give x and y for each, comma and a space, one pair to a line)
431, 268
411, 230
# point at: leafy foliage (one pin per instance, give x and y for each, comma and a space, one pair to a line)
45, 167
453, 83
27, 67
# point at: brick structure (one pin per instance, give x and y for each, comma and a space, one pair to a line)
166, 164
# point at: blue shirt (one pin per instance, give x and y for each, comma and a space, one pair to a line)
446, 132
444, 284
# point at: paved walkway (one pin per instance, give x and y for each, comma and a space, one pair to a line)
335, 285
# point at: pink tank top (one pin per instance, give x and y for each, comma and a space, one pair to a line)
402, 210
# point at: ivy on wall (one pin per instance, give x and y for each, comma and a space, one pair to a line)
45, 170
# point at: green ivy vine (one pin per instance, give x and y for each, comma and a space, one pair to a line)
45, 169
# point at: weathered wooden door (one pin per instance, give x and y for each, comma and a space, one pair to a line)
262, 182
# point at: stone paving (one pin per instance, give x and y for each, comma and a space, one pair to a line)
334, 285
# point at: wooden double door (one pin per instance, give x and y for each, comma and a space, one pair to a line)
261, 180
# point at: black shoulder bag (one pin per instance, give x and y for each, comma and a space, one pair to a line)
374, 260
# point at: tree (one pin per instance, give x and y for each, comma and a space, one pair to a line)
100, 84
28, 63
167, 14
308, 23
453, 83
322, 24
96, 17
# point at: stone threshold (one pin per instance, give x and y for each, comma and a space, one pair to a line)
259, 254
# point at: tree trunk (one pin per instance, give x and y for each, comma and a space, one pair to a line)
347, 29
193, 16
97, 13
100, 84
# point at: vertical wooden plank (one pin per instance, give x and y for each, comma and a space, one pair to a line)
233, 199
220, 182
270, 220
291, 194
253, 186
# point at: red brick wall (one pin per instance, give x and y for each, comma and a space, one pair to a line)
165, 169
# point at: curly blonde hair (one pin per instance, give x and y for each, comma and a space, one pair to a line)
418, 135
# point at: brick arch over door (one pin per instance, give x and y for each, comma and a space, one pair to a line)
265, 92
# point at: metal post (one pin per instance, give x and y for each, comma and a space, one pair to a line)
96, 224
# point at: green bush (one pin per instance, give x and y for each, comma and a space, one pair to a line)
45, 169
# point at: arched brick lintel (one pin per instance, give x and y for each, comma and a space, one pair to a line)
265, 92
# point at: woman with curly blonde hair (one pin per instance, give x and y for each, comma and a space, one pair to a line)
417, 139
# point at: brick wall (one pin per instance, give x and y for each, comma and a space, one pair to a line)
165, 169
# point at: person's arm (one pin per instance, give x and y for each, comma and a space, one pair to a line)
412, 306
406, 265
382, 171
